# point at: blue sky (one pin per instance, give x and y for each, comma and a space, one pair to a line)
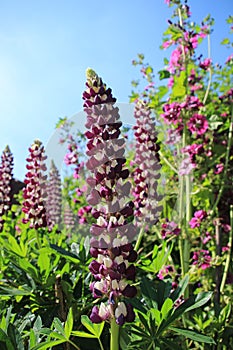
46, 46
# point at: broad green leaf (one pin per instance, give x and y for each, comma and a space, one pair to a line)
94, 328
44, 261
166, 308
69, 323
83, 334
32, 338
37, 324
157, 315
193, 335
58, 325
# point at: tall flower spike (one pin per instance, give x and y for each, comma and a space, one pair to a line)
34, 193
6, 177
113, 268
54, 197
147, 173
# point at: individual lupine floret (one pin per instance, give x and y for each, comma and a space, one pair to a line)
147, 173
54, 197
6, 177
113, 268
34, 193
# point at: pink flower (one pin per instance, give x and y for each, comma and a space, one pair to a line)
219, 168
169, 228
206, 238
198, 124
202, 258
199, 216
205, 64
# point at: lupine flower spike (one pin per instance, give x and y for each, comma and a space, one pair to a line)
34, 193
147, 173
54, 197
6, 177
113, 268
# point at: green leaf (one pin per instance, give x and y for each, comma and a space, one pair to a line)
64, 252
83, 334
6, 340
15, 337
58, 325
149, 70
69, 323
164, 74
94, 328
225, 41
193, 335
166, 308
201, 299
5, 291
47, 344
44, 261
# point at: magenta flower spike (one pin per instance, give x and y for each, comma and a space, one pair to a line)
113, 268
147, 173
6, 177
34, 194
54, 197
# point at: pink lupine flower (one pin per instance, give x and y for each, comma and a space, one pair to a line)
6, 177
199, 216
146, 174
54, 197
34, 194
198, 124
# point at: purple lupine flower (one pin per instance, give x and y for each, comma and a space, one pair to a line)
34, 193
147, 174
113, 269
54, 197
6, 177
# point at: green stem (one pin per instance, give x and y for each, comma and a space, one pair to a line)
100, 343
74, 345
38, 239
228, 259
140, 236
167, 162
114, 342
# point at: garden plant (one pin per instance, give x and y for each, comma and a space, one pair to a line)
131, 246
